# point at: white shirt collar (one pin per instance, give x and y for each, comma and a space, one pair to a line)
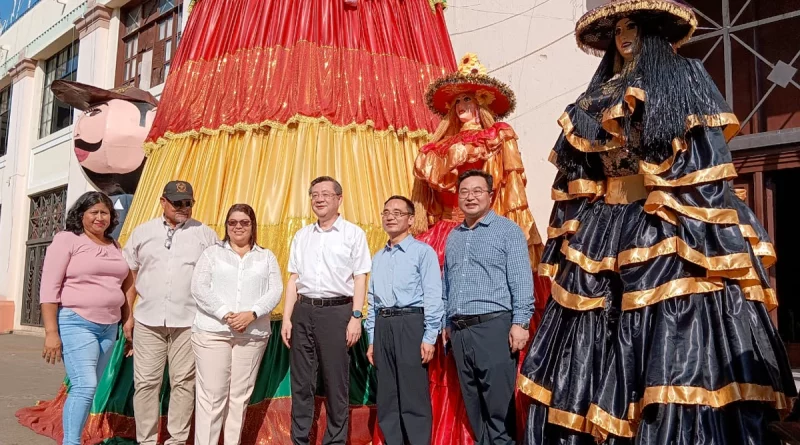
336, 225
227, 245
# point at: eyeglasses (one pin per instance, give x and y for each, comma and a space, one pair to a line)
464, 193
324, 195
183, 203
396, 214
170, 234
243, 222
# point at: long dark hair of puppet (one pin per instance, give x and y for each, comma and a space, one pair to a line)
676, 88
589, 126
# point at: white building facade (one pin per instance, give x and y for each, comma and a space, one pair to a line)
102, 43
526, 43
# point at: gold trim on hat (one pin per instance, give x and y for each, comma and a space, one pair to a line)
618, 8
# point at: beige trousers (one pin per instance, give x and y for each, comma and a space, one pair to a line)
227, 368
153, 348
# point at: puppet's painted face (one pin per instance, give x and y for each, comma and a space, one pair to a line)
466, 108
109, 138
626, 37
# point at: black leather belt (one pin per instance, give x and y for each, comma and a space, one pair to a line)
465, 321
324, 302
397, 311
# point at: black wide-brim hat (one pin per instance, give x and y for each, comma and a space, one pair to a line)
82, 96
595, 30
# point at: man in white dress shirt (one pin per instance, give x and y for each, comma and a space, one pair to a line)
328, 262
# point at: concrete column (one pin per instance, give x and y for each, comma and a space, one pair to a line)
14, 233
96, 65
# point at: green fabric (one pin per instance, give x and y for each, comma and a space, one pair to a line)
274, 379
118, 441
115, 389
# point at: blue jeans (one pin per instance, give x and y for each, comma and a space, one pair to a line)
87, 348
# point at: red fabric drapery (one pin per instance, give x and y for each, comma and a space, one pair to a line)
244, 63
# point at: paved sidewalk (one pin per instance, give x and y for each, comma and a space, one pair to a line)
24, 379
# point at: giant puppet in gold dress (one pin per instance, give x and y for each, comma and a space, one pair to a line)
658, 330
469, 137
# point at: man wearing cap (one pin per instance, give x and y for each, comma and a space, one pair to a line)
162, 253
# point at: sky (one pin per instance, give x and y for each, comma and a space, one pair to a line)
11, 10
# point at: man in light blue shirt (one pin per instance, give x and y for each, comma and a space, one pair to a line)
403, 320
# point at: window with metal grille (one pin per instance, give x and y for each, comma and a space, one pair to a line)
57, 115
47, 217
150, 36
5, 111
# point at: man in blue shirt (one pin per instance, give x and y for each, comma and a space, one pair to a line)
488, 297
403, 320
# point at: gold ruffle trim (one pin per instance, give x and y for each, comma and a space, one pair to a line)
658, 201
582, 144
580, 188
671, 289
555, 416
639, 299
569, 420
734, 392
607, 423
610, 115
736, 266
570, 226
678, 147
558, 195
588, 264
150, 147
728, 122
533, 390
758, 293
548, 270
574, 301
730, 127
763, 249
586, 188
601, 423
710, 174
675, 245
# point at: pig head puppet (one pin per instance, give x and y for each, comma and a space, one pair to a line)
109, 136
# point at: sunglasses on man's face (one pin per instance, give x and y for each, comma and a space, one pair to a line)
183, 203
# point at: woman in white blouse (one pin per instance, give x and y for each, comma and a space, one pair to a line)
236, 285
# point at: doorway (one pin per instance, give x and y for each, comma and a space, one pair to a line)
787, 247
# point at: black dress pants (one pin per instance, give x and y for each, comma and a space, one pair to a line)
319, 344
403, 397
487, 373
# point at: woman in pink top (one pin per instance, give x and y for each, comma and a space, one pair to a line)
83, 288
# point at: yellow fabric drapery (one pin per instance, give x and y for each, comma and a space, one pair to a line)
271, 168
